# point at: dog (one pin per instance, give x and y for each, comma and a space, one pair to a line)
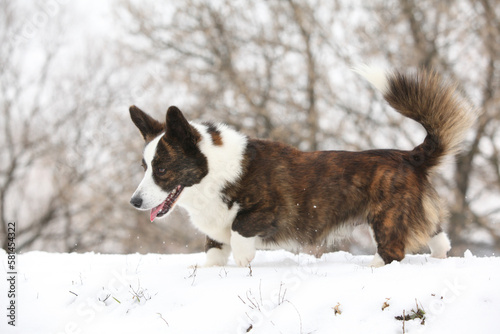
247, 194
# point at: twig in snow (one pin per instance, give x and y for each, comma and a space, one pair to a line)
404, 319
139, 293
281, 298
386, 304
225, 272
252, 301
161, 317
107, 296
419, 313
193, 274
337, 309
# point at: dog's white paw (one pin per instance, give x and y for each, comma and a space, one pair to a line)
377, 261
439, 245
243, 261
217, 256
243, 249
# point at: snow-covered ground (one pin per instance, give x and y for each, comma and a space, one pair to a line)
282, 293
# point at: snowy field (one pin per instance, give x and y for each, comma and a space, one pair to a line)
282, 293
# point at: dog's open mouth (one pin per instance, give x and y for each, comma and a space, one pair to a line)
167, 204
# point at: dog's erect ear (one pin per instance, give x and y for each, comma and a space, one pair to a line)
148, 126
177, 127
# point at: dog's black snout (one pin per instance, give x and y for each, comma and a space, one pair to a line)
136, 201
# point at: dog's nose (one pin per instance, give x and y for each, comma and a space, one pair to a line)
136, 201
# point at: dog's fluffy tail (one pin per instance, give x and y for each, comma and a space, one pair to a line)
433, 102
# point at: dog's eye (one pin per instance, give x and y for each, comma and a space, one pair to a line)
160, 171
143, 164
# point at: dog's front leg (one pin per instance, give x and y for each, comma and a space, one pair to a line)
217, 253
243, 249
247, 227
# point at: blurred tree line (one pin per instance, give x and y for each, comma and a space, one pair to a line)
277, 69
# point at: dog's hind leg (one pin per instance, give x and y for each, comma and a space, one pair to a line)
435, 213
439, 244
390, 236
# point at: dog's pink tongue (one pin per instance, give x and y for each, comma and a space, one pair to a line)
154, 212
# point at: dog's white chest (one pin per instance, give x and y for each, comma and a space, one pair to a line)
209, 213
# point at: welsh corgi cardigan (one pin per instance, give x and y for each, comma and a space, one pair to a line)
247, 194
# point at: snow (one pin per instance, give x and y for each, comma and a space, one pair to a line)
282, 293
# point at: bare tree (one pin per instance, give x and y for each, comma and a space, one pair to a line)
273, 69
277, 69
22, 143
460, 40
54, 176
217, 46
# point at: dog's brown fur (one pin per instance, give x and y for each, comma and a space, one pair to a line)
288, 195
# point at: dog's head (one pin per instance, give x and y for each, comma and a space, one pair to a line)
171, 160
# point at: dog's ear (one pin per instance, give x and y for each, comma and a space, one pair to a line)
178, 128
148, 126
